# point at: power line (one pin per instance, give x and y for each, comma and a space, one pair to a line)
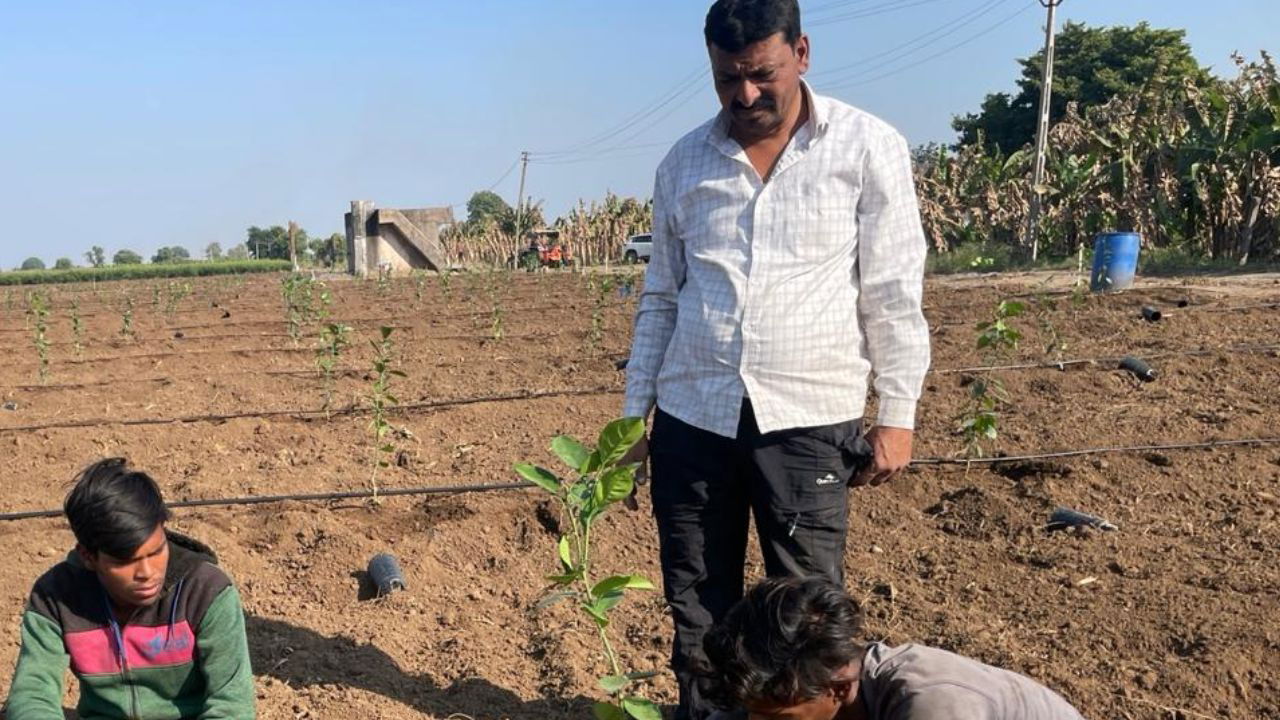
613, 153
600, 148
933, 35
495, 184
505, 175
871, 12
625, 143
681, 88
687, 88
854, 82
610, 153
825, 7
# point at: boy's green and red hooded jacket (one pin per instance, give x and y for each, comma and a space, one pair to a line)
185, 656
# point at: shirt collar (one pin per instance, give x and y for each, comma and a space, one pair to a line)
816, 125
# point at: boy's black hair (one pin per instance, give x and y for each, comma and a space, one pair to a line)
113, 508
782, 644
734, 24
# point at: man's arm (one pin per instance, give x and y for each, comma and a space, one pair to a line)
36, 691
224, 660
656, 316
891, 254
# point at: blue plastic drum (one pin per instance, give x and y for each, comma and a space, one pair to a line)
1115, 261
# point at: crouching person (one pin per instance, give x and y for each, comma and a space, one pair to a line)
791, 650
149, 625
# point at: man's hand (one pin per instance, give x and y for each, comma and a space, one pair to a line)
892, 447
639, 453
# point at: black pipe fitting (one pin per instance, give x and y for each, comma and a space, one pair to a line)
386, 574
1140, 369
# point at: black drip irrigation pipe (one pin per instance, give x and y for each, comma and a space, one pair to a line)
498, 487
1062, 364
315, 414
1178, 311
1259, 306
1097, 451
304, 497
621, 365
176, 352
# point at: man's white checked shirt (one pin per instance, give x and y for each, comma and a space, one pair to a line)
789, 292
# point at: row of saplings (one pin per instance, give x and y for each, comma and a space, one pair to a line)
307, 302
597, 478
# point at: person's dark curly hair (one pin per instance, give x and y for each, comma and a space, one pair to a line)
734, 24
782, 644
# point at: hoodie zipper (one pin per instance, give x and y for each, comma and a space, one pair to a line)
122, 656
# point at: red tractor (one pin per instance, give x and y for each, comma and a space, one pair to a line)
545, 251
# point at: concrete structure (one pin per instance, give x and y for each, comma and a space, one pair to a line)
399, 240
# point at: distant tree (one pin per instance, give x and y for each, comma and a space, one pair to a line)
1091, 66
485, 205
213, 251
273, 243
63, 264
532, 218
126, 257
97, 257
238, 252
330, 251
33, 263
175, 253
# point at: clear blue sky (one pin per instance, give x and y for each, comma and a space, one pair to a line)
141, 124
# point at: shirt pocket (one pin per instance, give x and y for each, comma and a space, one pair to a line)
820, 224
714, 222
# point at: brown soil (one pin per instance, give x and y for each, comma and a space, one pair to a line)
1173, 616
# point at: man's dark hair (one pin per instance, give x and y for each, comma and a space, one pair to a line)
113, 508
734, 24
781, 644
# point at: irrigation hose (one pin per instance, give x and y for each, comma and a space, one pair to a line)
621, 364
303, 497
1096, 451
315, 414
497, 487
1111, 360
351, 410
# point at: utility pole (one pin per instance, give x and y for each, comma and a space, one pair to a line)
293, 244
524, 165
1042, 129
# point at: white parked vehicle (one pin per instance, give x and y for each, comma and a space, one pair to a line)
638, 247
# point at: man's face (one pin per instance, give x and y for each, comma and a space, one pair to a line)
134, 581
760, 86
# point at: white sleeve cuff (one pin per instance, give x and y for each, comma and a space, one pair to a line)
897, 413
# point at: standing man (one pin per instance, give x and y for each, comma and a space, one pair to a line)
787, 266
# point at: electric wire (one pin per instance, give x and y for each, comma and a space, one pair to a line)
854, 81
938, 33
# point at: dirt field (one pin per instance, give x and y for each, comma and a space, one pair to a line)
1176, 615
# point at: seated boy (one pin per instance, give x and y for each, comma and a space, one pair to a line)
151, 628
791, 650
